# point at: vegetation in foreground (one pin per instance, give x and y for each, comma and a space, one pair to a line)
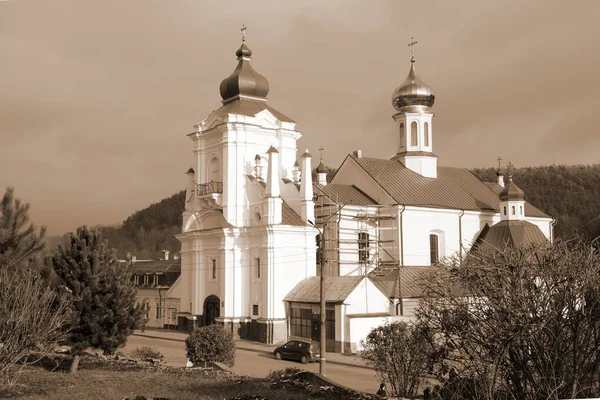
100, 379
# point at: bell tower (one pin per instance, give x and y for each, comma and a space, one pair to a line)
413, 100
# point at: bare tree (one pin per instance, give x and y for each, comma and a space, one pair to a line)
517, 323
32, 316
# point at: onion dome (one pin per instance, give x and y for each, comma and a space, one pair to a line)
321, 169
511, 192
413, 93
244, 81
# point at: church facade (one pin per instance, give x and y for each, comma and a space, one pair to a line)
257, 231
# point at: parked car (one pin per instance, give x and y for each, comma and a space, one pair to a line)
299, 350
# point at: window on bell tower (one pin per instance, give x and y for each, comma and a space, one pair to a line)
426, 133
414, 134
402, 137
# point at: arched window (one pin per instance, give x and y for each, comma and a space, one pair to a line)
402, 136
434, 249
414, 134
426, 133
512, 210
521, 207
504, 210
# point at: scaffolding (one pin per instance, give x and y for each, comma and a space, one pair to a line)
376, 253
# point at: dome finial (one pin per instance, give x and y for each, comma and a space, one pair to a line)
243, 30
412, 44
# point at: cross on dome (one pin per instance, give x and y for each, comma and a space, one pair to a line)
412, 44
243, 30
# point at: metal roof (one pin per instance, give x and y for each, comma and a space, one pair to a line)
344, 194
337, 289
455, 188
410, 281
511, 234
156, 266
290, 217
530, 209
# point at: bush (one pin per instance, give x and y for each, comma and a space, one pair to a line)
145, 352
211, 343
32, 316
399, 356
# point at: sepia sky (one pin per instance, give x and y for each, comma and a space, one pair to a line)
96, 97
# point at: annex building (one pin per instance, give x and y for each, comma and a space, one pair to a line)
256, 229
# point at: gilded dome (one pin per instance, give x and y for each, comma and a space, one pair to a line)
244, 81
413, 93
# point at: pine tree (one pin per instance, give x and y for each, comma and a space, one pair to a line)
102, 293
20, 244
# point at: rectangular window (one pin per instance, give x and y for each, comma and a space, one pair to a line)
363, 247
255, 309
214, 268
258, 268
434, 252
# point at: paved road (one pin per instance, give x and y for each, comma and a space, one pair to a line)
255, 364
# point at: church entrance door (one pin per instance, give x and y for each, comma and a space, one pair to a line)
212, 309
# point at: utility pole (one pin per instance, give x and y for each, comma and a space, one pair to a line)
323, 306
323, 303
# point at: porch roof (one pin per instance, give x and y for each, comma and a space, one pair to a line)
337, 289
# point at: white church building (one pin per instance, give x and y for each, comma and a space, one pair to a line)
257, 231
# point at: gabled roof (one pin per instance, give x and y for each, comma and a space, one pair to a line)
290, 217
512, 234
337, 289
455, 188
410, 281
344, 194
248, 108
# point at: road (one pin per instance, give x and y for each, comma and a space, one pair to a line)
255, 364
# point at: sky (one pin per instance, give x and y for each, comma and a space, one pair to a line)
96, 97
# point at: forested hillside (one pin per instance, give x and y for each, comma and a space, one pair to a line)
570, 194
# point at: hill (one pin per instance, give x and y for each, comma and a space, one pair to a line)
570, 194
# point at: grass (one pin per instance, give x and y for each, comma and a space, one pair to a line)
51, 380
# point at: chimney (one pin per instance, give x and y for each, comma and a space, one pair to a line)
307, 207
500, 179
273, 190
357, 153
165, 254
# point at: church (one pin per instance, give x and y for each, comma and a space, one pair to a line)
257, 231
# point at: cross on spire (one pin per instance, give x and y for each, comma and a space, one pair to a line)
499, 162
412, 46
243, 33
321, 148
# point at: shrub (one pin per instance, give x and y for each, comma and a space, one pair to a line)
211, 343
146, 352
399, 356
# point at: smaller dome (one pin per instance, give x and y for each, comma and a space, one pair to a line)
321, 169
244, 81
511, 192
412, 93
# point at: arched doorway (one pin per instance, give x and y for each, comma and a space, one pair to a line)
212, 309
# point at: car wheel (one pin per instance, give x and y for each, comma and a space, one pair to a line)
304, 359
278, 355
